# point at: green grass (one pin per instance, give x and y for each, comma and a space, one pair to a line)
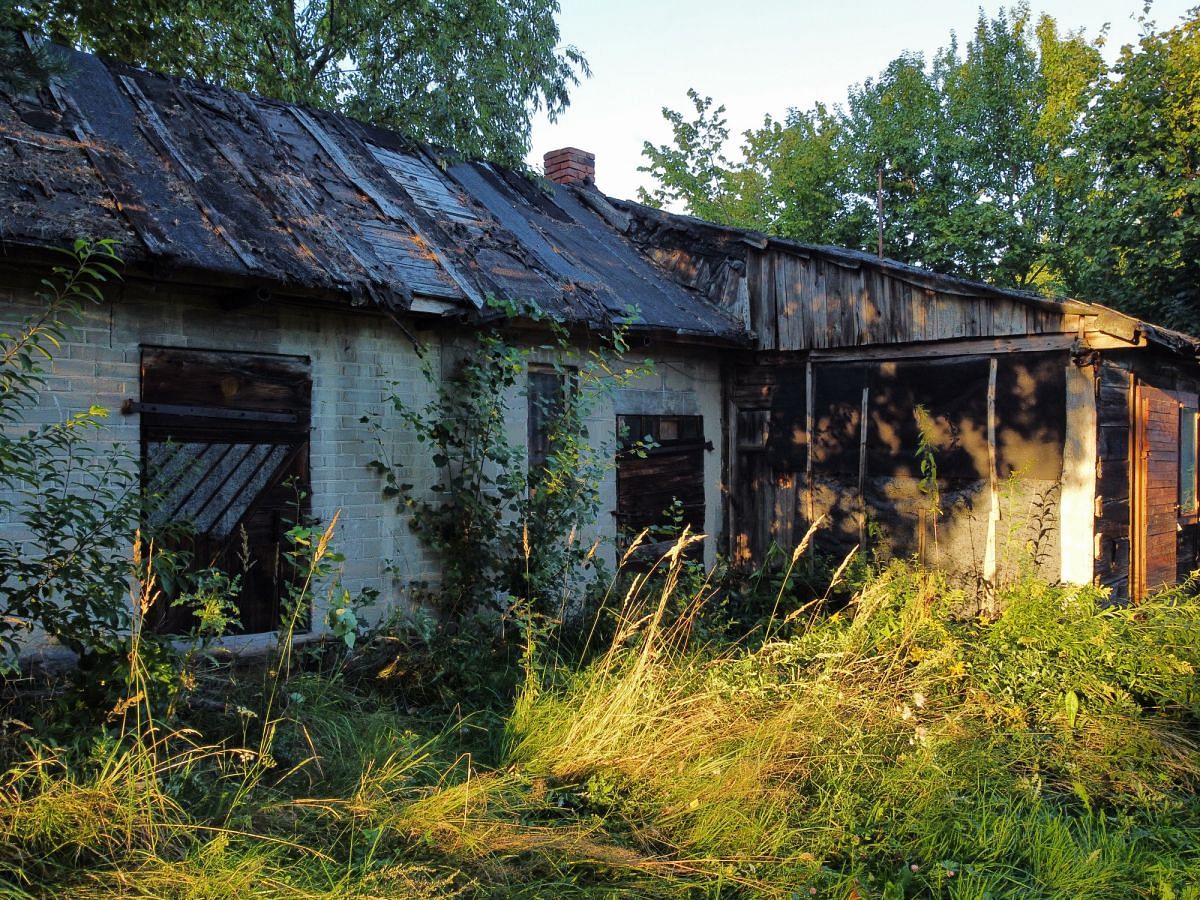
888, 750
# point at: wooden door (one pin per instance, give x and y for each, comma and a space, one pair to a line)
225, 439
1156, 489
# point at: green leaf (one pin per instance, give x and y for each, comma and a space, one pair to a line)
1071, 705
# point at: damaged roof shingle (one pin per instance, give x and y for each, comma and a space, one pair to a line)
199, 179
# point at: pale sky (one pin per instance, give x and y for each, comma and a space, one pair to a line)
765, 57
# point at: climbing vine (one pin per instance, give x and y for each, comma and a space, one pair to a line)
510, 536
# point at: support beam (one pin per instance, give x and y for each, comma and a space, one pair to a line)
1077, 514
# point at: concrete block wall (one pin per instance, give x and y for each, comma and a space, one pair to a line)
357, 360
678, 383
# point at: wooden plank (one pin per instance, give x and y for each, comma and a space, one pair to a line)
874, 307
1113, 442
943, 349
790, 325
390, 209
242, 381
820, 306
754, 269
847, 300
855, 305
862, 467
1157, 494
768, 324
920, 314
809, 437
1077, 507
899, 299
159, 134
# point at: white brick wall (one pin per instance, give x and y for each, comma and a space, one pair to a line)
354, 356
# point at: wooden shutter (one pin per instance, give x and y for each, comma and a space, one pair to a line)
649, 481
225, 440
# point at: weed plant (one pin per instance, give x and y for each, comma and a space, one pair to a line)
888, 749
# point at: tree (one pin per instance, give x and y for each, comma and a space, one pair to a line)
790, 182
24, 65
1015, 106
1137, 243
974, 158
694, 171
464, 74
890, 149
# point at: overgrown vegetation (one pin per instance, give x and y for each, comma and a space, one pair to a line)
887, 750
75, 501
513, 536
706, 739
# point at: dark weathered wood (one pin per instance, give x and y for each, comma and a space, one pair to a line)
1157, 489
225, 447
232, 381
1113, 443
157, 133
208, 412
943, 349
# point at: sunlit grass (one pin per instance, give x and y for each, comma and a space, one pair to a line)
888, 750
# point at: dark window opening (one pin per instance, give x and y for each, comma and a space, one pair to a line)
547, 399
225, 446
660, 478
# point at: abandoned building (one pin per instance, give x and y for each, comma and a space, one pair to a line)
282, 263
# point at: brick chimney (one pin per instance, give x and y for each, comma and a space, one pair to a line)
571, 165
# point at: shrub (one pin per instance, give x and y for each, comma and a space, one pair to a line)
76, 505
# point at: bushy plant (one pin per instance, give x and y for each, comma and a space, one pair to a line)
509, 537
890, 749
75, 504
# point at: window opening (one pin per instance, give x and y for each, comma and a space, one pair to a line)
1187, 461
547, 398
225, 446
660, 477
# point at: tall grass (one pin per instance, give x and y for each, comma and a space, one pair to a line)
888, 750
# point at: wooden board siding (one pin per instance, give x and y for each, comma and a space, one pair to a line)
1112, 524
1157, 493
802, 303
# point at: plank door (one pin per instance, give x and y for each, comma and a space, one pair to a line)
1156, 489
225, 440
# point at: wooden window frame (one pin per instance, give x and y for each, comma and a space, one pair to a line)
670, 436
537, 437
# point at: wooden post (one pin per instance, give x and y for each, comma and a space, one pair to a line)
809, 429
862, 470
989, 551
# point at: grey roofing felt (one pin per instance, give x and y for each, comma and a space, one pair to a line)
194, 179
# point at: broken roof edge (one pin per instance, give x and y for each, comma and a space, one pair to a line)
363, 270
624, 211
490, 317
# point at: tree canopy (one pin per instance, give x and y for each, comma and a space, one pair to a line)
1138, 240
463, 74
1017, 158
